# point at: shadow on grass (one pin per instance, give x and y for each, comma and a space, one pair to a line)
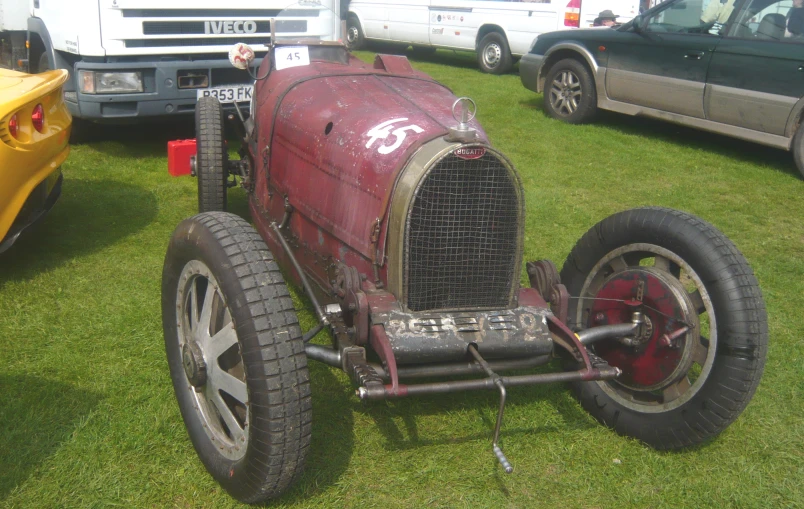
676, 134
90, 215
485, 404
145, 131
36, 416
333, 435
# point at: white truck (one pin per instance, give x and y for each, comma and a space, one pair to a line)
130, 59
498, 31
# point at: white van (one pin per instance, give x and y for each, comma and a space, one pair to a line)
499, 31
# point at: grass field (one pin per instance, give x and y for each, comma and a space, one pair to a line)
87, 412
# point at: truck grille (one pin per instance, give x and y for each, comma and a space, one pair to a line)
462, 237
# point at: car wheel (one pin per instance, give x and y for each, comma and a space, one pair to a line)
211, 156
493, 55
697, 360
236, 356
355, 39
798, 149
569, 92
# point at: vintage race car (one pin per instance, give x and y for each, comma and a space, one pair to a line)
34, 134
376, 190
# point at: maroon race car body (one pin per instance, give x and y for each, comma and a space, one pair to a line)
372, 185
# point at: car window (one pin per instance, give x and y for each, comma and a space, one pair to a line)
771, 21
692, 17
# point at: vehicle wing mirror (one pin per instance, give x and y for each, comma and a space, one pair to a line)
638, 23
241, 55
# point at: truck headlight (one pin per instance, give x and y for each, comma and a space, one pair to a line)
96, 82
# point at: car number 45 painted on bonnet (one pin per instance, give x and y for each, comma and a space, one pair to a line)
382, 131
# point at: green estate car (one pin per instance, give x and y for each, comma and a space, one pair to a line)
734, 67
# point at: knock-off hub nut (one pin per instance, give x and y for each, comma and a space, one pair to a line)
192, 360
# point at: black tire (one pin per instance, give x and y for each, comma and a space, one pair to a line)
211, 156
355, 38
677, 393
249, 413
493, 54
798, 149
569, 92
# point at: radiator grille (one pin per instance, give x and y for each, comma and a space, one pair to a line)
462, 236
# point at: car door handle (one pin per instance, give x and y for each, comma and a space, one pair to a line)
694, 55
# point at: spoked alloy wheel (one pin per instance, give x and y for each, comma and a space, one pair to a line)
212, 360
565, 93
698, 358
569, 92
236, 356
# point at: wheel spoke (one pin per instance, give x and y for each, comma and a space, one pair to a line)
661, 263
206, 309
676, 390
618, 263
220, 342
228, 417
697, 301
221, 380
700, 352
193, 304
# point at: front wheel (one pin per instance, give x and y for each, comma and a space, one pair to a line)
236, 356
355, 39
569, 92
211, 156
493, 54
695, 363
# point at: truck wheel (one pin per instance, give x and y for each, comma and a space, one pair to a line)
798, 149
493, 55
236, 356
569, 92
699, 357
355, 39
42, 63
211, 156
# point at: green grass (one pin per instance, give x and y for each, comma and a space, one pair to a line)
87, 413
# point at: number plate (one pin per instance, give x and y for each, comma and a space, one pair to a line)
230, 94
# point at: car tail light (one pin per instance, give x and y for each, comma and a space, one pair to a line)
13, 126
38, 117
572, 14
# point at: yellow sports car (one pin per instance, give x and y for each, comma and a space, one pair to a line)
34, 133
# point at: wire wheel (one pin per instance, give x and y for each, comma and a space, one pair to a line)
212, 360
566, 93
